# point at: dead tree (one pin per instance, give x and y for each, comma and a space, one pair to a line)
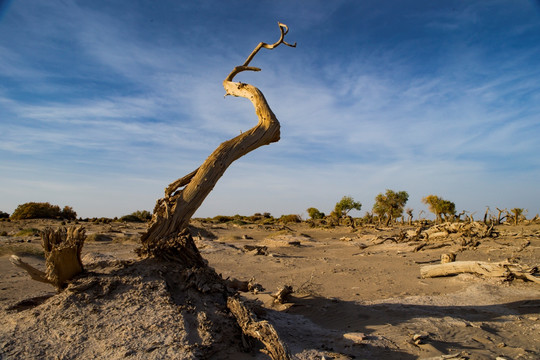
167, 235
500, 218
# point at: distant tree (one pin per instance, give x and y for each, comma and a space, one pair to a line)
4, 215
35, 210
409, 212
344, 206
314, 213
68, 213
440, 207
390, 205
291, 218
500, 217
368, 218
517, 214
144, 215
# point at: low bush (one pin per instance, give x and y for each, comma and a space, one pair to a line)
131, 218
28, 232
137, 216
68, 213
4, 215
315, 214
36, 210
222, 219
292, 218
98, 237
102, 220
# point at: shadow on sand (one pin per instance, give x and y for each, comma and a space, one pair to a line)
387, 328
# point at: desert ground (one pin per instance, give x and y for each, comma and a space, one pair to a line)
357, 294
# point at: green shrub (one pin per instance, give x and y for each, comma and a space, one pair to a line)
35, 210
131, 218
256, 217
292, 218
28, 232
137, 216
315, 214
102, 220
222, 219
68, 213
345, 205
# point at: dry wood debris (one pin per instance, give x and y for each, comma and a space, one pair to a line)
62, 256
503, 270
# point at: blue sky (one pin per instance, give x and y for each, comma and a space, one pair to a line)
103, 104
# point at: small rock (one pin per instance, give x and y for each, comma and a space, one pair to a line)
356, 337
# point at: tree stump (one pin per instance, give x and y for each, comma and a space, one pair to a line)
62, 256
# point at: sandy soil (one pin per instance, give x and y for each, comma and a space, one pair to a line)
357, 294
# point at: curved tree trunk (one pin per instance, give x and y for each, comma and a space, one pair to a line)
167, 234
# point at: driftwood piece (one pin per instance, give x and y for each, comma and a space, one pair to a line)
504, 270
448, 258
62, 256
282, 294
258, 329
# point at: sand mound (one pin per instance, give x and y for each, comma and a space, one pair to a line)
118, 309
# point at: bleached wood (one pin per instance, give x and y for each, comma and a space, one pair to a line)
258, 329
63, 253
34, 273
501, 270
173, 212
62, 249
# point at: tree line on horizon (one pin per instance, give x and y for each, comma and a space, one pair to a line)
387, 209
390, 206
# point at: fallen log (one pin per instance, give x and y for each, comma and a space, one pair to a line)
504, 270
261, 330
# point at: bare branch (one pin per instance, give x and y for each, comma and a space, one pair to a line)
34, 273
179, 183
284, 29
